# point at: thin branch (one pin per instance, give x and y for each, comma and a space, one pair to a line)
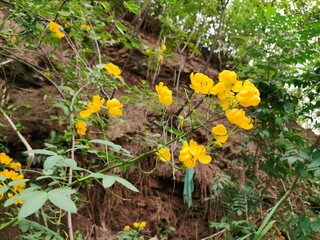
24, 141
16, 58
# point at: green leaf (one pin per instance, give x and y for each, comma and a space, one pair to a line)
60, 198
115, 147
97, 175
32, 204
42, 151
120, 26
2, 178
4, 189
51, 161
126, 183
108, 181
16, 182
68, 162
64, 13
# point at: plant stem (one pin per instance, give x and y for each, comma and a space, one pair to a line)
259, 234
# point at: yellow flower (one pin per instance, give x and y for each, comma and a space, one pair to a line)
10, 174
201, 83
19, 187
248, 95
18, 202
139, 226
238, 117
81, 127
16, 176
59, 34
85, 27
227, 99
163, 47
164, 154
15, 166
114, 107
113, 69
160, 57
93, 107
164, 94
5, 159
192, 152
1, 196
54, 27
126, 228
228, 77
220, 133
47, 74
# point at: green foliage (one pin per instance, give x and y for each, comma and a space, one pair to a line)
274, 43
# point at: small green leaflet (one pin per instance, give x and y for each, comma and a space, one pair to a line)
120, 26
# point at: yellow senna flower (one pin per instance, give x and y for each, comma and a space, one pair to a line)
85, 27
160, 57
18, 202
163, 47
114, 70
114, 107
15, 166
139, 225
164, 94
9, 195
164, 154
228, 77
248, 95
227, 99
220, 133
93, 106
238, 117
5, 159
192, 152
201, 83
126, 228
19, 187
81, 127
54, 27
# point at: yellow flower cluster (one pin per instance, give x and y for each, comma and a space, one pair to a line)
114, 108
112, 69
231, 93
140, 225
164, 94
11, 171
192, 152
137, 225
54, 27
